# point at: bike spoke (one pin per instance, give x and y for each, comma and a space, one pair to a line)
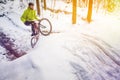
45, 27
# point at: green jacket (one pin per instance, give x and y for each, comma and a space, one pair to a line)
29, 15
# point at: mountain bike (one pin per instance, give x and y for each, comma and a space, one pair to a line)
44, 28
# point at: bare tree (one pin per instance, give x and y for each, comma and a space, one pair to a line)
98, 2
89, 15
38, 6
21, 0
45, 6
74, 11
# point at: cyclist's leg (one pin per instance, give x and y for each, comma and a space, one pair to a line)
33, 29
36, 28
32, 26
27, 23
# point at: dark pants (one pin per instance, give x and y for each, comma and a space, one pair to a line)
33, 25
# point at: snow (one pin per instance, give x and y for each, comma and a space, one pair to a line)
15, 32
72, 52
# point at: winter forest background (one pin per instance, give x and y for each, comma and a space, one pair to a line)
84, 43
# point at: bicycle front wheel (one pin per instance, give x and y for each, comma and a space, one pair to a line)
45, 27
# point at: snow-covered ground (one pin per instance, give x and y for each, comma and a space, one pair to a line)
72, 52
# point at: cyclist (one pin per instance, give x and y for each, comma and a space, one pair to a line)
29, 17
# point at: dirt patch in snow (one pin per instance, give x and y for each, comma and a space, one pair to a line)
12, 51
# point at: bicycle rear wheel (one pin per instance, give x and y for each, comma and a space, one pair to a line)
45, 26
34, 40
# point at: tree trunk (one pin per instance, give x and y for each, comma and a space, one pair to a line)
89, 15
45, 6
38, 6
21, 0
74, 11
98, 5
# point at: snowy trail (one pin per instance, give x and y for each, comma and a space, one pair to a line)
82, 58
69, 55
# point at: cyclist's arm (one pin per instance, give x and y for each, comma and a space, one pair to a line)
23, 17
36, 17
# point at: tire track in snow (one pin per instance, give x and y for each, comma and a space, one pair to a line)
108, 52
103, 42
80, 72
78, 68
97, 56
105, 51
